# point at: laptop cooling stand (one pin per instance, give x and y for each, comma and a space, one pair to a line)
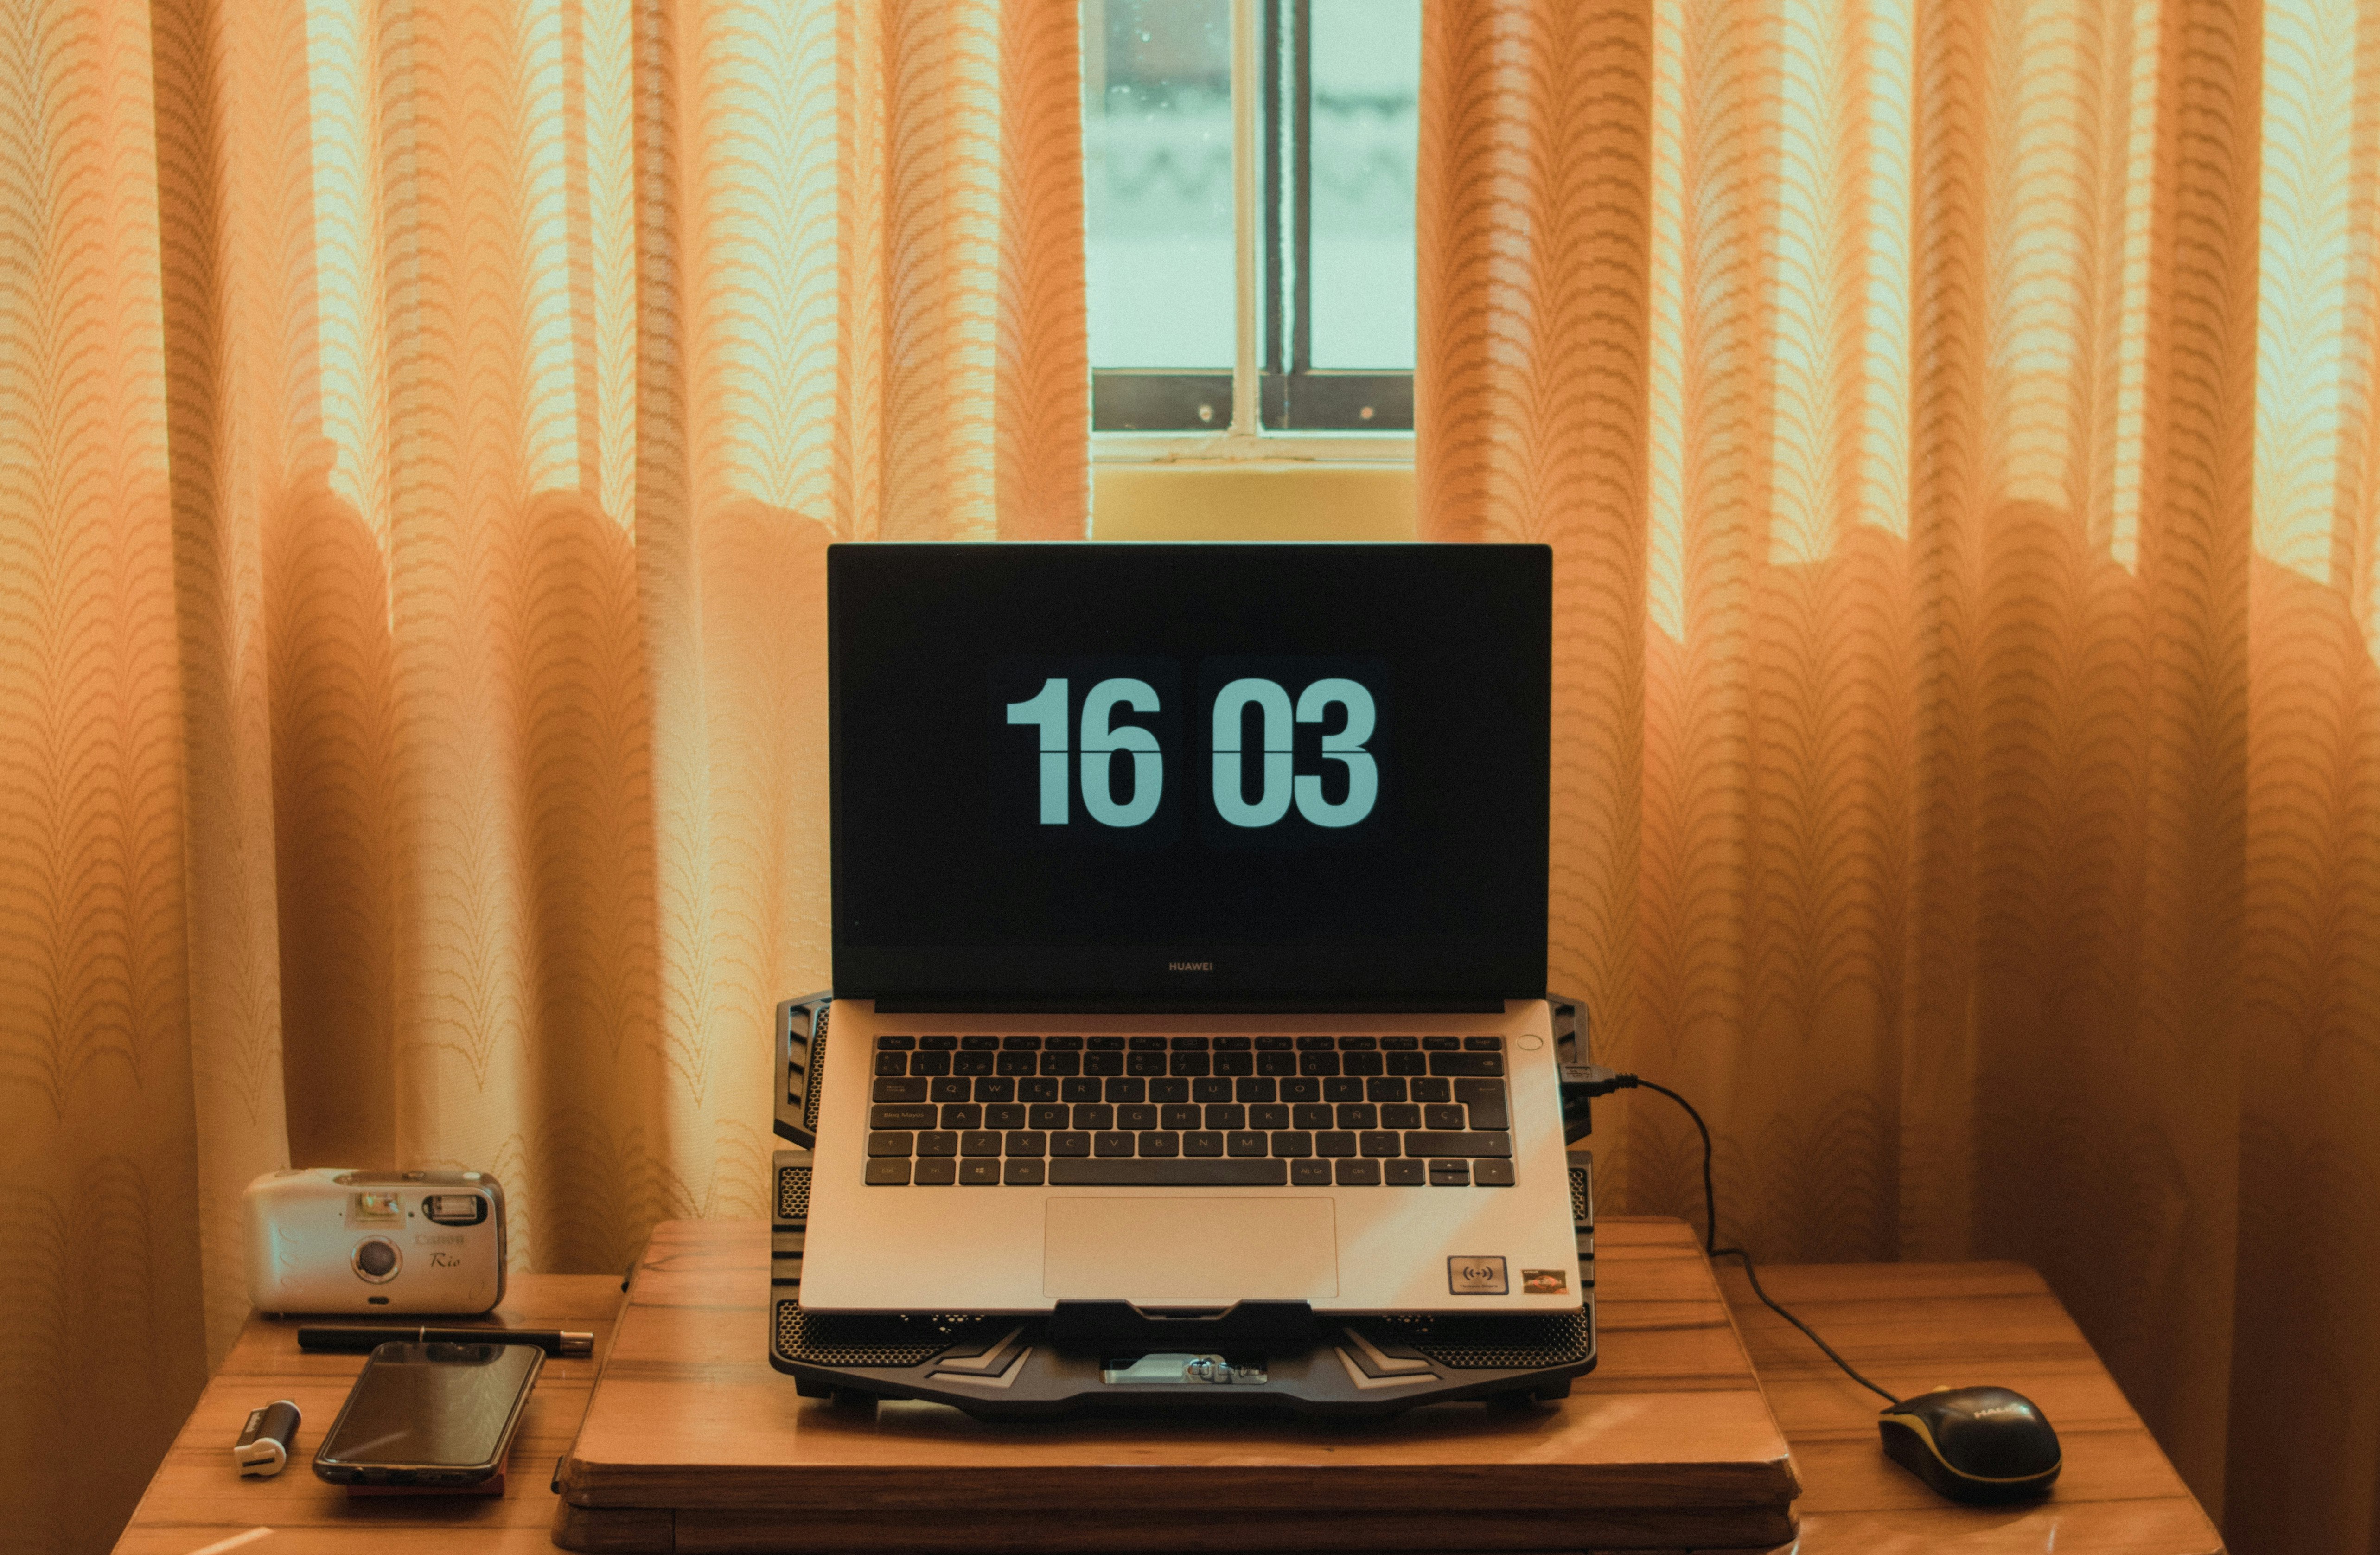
1105, 1357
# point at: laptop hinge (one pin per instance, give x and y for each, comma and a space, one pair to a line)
1105, 1324
1009, 1003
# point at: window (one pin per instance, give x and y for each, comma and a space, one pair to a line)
1249, 189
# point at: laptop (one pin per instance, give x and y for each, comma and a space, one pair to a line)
1189, 932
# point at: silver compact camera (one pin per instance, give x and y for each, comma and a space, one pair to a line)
326, 1239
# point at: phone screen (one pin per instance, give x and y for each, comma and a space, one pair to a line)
446, 1405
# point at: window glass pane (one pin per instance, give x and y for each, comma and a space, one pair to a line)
1157, 146
1366, 123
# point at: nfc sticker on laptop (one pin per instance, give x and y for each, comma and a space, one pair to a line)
1475, 1276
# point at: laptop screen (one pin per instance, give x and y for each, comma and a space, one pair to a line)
1196, 776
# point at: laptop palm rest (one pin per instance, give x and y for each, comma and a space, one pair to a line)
1161, 1252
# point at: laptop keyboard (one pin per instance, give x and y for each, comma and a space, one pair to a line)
1189, 1112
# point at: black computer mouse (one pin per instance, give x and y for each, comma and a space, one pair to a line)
1983, 1446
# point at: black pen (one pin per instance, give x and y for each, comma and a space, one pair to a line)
554, 1342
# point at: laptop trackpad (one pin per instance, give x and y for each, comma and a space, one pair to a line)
1164, 1251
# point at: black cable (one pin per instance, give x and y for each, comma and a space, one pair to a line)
1710, 1237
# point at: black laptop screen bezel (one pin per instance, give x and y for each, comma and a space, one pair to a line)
1514, 580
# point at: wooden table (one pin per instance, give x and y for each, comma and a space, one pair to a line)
1911, 1323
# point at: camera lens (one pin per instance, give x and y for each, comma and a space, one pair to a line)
376, 1259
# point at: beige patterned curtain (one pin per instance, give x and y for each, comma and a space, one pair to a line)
420, 422
1955, 420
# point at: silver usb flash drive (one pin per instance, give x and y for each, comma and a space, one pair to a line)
263, 1446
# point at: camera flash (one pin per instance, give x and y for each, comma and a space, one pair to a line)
263, 1446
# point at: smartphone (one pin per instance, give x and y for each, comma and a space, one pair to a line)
429, 1414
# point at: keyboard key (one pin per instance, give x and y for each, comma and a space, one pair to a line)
1491, 1174
1062, 1063
1127, 1090
1005, 1115
979, 1173
1169, 1090
1312, 1115
1136, 1117
1021, 1174
1182, 1114
1377, 1142
1093, 1115
1466, 1063
1037, 1091
937, 1044
1344, 1088
1062, 1044
891, 1064
1400, 1114
1111, 1142
1191, 1065
899, 1090
1444, 1115
940, 1142
889, 1144
1450, 1174
1432, 1090
1049, 1114
956, 1087
1334, 1142
995, 1089
1405, 1174
1291, 1144
1103, 1063
1317, 1064
978, 1142
1211, 1091
1360, 1064
1274, 1044
1143, 1063
1359, 1115
1399, 1044
1318, 1044
1358, 1173
1358, 1044
1441, 1044
908, 1115
1025, 1043
979, 1044
1387, 1089
1202, 1142
962, 1114
940, 1173
972, 1063
1231, 1044
1070, 1142
1276, 1063
1161, 1142
1310, 1173
895, 1044
1018, 1063
929, 1064
1301, 1090
1235, 1063
1244, 1142
1269, 1115
1079, 1090
1425, 1142
1146, 1044
1104, 1044
1255, 1090
1483, 1044
1189, 1172
890, 1172
1224, 1115
1025, 1142
1485, 1100
1189, 1044
1407, 1063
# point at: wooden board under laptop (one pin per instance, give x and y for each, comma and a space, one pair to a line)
692, 1442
